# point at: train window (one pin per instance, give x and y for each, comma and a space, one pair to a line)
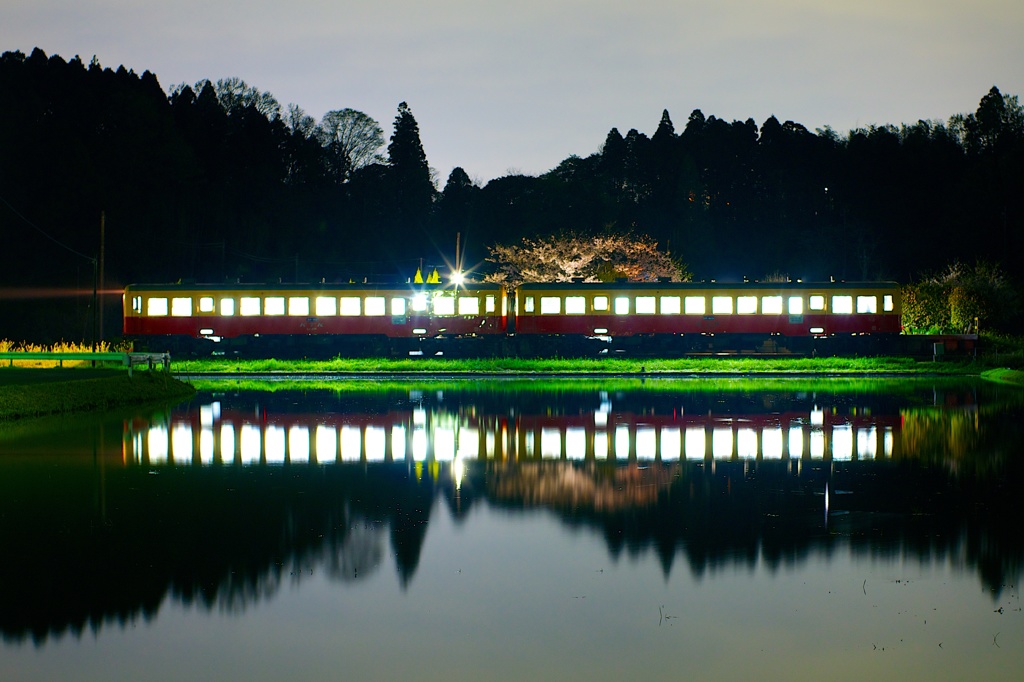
867, 304
645, 305
528, 304
575, 305
469, 305
887, 303
419, 303
326, 306
600, 303
398, 306
622, 305
670, 305
746, 305
771, 305
298, 305
273, 305
181, 307
796, 305
489, 304
156, 307
694, 305
206, 304
817, 302
375, 305
227, 307
550, 305
842, 305
249, 305
721, 305
443, 305
349, 305
136, 304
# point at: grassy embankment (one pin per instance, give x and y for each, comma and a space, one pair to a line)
579, 366
41, 388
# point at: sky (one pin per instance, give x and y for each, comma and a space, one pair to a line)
502, 87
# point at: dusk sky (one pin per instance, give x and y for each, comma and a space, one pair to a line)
500, 87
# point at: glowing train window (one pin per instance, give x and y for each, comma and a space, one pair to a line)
156, 307
867, 304
600, 303
694, 305
746, 305
325, 306
575, 305
273, 305
887, 303
227, 307
645, 305
443, 304
528, 304
349, 305
206, 304
817, 302
842, 305
137, 304
550, 305
298, 305
721, 305
489, 304
249, 305
622, 305
398, 306
796, 305
419, 303
181, 307
375, 306
771, 305
670, 305
469, 305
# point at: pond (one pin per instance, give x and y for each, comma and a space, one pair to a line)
574, 530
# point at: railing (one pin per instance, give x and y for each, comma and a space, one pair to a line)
128, 360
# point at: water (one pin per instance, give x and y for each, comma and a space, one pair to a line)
521, 530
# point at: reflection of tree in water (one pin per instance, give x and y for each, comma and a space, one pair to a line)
358, 556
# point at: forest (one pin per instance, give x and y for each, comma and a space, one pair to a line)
217, 182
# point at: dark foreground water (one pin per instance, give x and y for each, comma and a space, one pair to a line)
828, 530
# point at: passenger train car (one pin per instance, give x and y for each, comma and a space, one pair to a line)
534, 319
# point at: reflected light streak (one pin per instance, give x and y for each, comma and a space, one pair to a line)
721, 443
398, 443
376, 444
576, 443
817, 444
796, 442
419, 444
251, 443
469, 443
181, 443
601, 445
227, 443
298, 444
746, 443
646, 443
671, 443
867, 442
771, 442
696, 442
550, 443
326, 444
621, 441
444, 444
274, 444
351, 443
28, 293
206, 443
157, 443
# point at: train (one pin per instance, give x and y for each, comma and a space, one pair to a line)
532, 319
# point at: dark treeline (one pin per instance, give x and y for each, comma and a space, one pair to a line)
215, 182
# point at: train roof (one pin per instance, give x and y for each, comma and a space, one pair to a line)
312, 286
683, 286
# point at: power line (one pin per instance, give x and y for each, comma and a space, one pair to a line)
45, 233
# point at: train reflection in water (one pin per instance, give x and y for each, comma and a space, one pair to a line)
425, 431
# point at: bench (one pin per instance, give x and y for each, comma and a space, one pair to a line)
128, 360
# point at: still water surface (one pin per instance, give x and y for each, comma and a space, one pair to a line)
521, 530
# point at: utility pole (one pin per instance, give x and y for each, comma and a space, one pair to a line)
103, 246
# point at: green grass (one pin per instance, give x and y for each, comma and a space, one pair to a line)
1004, 375
585, 366
63, 394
